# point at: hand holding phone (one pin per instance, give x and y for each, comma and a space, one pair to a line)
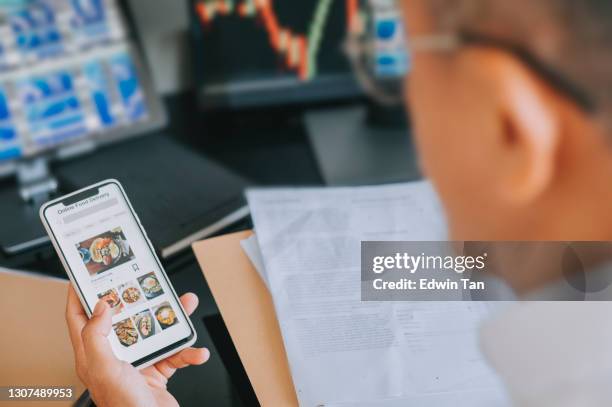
107, 256
112, 382
122, 312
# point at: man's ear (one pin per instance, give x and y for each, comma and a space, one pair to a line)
530, 130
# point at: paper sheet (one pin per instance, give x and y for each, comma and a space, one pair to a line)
251, 248
485, 398
342, 350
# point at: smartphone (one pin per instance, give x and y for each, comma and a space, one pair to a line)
107, 255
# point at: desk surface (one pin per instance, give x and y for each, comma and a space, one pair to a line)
36, 336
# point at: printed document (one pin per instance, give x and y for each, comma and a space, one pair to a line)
343, 350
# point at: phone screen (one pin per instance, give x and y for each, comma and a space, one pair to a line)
106, 251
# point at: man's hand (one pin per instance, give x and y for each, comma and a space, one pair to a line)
112, 382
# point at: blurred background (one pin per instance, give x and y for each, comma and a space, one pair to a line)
188, 103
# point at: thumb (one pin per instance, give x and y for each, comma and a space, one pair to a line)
95, 342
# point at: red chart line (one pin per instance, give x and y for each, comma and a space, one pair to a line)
294, 47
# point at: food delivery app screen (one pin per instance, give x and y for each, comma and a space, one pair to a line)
110, 259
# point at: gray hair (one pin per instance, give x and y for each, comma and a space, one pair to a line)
573, 36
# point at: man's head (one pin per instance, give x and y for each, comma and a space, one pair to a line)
512, 153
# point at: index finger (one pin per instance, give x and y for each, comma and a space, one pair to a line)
76, 320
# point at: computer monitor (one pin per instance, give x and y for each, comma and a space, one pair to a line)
263, 52
71, 77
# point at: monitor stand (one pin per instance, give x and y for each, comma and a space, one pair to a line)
21, 228
35, 182
352, 149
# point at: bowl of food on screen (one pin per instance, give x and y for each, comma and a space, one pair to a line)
166, 316
112, 299
150, 285
126, 332
105, 250
85, 255
145, 324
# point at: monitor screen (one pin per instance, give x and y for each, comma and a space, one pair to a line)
254, 52
69, 73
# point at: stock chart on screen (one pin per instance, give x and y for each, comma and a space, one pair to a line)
265, 51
